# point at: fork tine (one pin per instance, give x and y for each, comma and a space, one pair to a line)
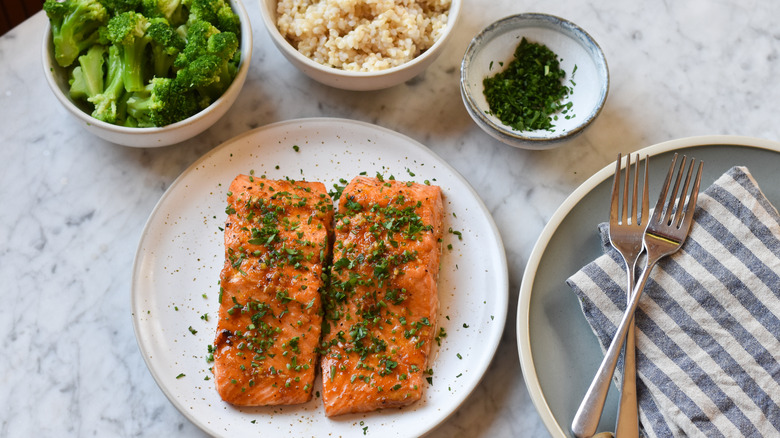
645, 196
685, 218
683, 195
669, 207
613, 211
634, 207
659, 205
626, 180
640, 211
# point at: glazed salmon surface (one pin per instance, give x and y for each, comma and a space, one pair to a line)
270, 313
381, 304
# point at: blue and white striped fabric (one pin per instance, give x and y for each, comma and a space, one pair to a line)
708, 324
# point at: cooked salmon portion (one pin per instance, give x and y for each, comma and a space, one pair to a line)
270, 311
381, 303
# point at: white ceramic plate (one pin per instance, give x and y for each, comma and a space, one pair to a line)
181, 252
558, 351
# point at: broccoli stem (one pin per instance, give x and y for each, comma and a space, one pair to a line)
88, 76
106, 102
134, 60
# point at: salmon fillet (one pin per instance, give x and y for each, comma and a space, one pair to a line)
276, 242
381, 304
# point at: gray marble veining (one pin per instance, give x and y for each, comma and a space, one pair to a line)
73, 206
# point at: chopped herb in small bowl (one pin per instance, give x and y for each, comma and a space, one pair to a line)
530, 92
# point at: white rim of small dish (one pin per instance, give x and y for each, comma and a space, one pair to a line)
505, 133
273, 31
526, 286
243, 69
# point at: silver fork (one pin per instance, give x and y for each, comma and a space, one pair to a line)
625, 234
665, 233
626, 231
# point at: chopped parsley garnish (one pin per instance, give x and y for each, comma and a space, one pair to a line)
530, 91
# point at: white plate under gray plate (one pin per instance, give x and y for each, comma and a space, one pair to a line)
558, 352
181, 252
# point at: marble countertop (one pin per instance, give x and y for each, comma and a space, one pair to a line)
74, 206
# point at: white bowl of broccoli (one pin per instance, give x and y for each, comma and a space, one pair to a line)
146, 73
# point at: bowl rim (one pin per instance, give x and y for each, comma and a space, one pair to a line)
290, 50
49, 65
557, 24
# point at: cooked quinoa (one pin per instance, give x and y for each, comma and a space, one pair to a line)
362, 35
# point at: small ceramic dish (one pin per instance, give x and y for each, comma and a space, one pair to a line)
494, 47
57, 79
353, 80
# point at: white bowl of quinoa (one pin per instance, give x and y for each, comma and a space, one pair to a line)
359, 44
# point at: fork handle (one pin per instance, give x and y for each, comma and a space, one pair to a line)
627, 425
628, 410
586, 420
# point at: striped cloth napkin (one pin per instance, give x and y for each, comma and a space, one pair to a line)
708, 324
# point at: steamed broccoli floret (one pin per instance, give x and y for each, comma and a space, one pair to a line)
203, 10
217, 12
74, 27
197, 38
227, 20
171, 10
163, 101
108, 103
212, 72
127, 31
166, 45
115, 7
225, 46
87, 78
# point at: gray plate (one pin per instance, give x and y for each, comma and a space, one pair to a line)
558, 351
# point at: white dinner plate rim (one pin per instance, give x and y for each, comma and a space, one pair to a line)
529, 275
501, 270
